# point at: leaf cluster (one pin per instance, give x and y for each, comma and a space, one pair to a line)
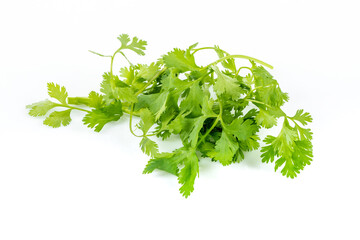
216, 112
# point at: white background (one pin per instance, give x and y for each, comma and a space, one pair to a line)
73, 183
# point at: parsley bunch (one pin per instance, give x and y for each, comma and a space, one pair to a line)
216, 112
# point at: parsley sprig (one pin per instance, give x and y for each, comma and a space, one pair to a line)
216, 112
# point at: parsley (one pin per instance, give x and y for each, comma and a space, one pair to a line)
207, 106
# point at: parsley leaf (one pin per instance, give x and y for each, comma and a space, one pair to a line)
56, 119
57, 92
97, 118
178, 59
226, 85
216, 112
136, 45
40, 108
149, 147
225, 149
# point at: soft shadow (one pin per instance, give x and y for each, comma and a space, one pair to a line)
252, 159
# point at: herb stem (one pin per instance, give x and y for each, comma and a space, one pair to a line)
112, 81
221, 112
209, 130
71, 107
151, 80
130, 121
204, 48
128, 112
126, 58
238, 71
240, 56
255, 101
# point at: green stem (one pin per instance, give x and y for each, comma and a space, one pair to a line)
128, 112
209, 130
126, 58
78, 100
112, 80
151, 80
218, 118
213, 48
240, 56
238, 71
255, 101
221, 112
130, 121
71, 107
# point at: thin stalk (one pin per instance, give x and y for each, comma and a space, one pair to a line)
128, 112
71, 107
238, 71
255, 101
221, 112
130, 121
240, 56
126, 58
151, 80
112, 81
213, 48
209, 130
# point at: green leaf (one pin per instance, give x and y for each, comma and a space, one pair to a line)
268, 152
303, 153
121, 92
294, 153
302, 117
248, 80
128, 74
106, 87
167, 162
265, 119
190, 130
95, 100
149, 147
188, 174
57, 92
228, 63
155, 102
284, 143
40, 108
97, 118
193, 101
241, 129
170, 82
304, 133
176, 125
226, 85
268, 89
136, 45
252, 143
147, 120
179, 60
225, 149
124, 39
56, 119
147, 71
301, 157
125, 94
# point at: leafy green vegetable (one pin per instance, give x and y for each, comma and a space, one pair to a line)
216, 112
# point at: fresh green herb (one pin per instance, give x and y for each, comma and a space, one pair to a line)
216, 112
